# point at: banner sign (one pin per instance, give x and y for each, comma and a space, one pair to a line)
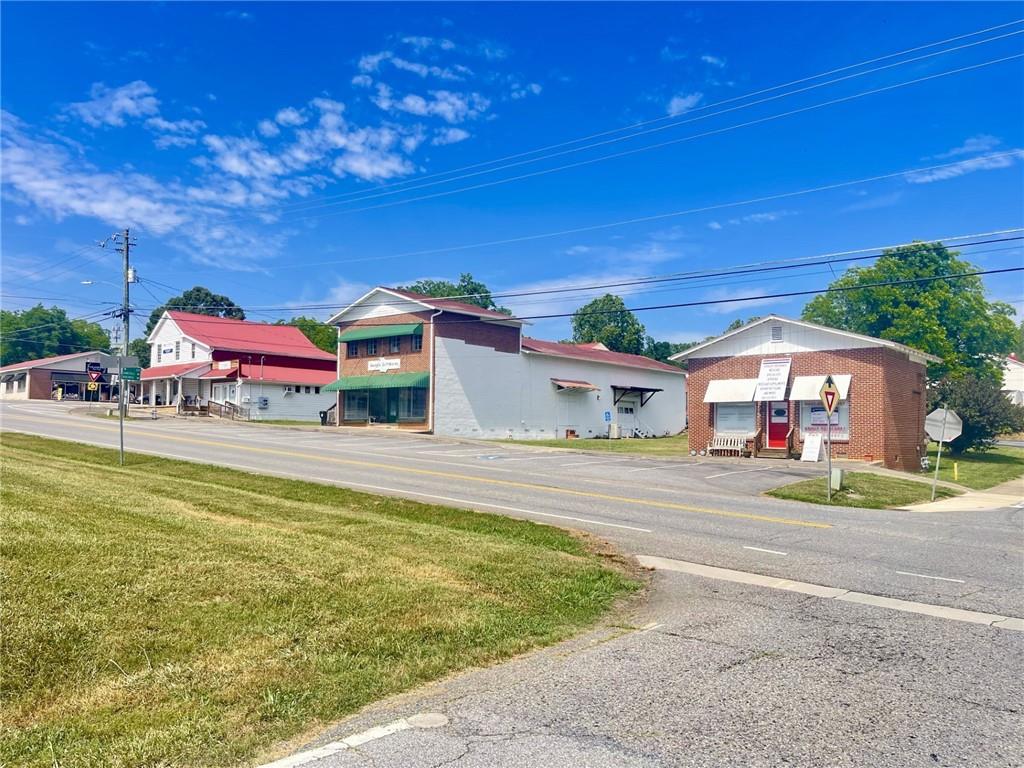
384, 364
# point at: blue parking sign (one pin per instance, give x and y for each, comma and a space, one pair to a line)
607, 415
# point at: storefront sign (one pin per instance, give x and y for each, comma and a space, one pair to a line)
384, 364
814, 419
812, 448
772, 380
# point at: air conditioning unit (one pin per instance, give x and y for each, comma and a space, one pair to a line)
263, 402
614, 432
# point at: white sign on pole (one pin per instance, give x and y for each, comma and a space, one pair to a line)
772, 380
933, 425
384, 364
812, 448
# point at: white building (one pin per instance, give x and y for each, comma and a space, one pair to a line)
456, 369
235, 367
1013, 380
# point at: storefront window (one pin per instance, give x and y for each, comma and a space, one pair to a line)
412, 404
734, 418
814, 420
356, 405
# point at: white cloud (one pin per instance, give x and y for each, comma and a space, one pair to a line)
714, 61
681, 103
714, 225
268, 128
962, 168
289, 116
175, 126
449, 106
371, 165
362, 81
522, 91
110, 106
371, 61
22, 220
670, 54
736, 299
972, 146
450, 136
243, 157
421, 43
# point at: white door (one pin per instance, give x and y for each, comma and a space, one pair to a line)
627, 416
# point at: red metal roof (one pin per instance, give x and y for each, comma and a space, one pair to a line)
450, 305
45, 361
593, 354
274, 374
163, 371
573, 384
243, 336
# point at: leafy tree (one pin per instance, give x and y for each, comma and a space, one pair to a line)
324, 336
140, 349
606, 320
40, 332
662, 350
739, 323
983, 406
198, 301
1020, 341
948, 318
468, 289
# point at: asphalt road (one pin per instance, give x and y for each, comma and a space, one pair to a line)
712, 672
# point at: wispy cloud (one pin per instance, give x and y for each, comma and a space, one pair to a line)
762, 217
973, 146
449, 136
964, 167
736, 300
683, 102
111, 106
714, 61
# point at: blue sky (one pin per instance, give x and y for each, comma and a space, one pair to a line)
267, 150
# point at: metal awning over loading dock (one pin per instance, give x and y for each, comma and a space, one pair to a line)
620, 391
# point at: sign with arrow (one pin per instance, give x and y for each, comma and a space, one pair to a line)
829, 394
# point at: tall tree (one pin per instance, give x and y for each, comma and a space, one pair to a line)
140, 349
948, 318
323, 335
198, 301
606, 320
40, 332
662, 350
468, 289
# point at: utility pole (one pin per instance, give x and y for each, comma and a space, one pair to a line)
129, 278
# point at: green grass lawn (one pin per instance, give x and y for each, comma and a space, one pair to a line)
862, 489
980, 470
678, 445
169, 613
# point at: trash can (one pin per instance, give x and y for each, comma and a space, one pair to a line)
323, 418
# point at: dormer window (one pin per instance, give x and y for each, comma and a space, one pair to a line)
776, 333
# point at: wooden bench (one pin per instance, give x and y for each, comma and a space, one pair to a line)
728, 444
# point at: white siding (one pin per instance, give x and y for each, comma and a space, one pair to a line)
299, 406
484, 393
382, 305
164, 336
1013, 381
795, 338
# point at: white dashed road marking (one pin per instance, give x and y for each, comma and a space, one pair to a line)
769, 551
925, 576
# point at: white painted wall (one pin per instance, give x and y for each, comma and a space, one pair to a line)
483, 393
1013, 381
795, 338
164, 336
297, 405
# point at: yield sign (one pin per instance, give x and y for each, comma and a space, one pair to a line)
95, 375
829, 394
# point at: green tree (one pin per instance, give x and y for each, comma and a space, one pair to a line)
323, 335
606, 320
40, 332
739, 323
662, 350
140, 349
948, 318
468, 289
982, 405
198, 301
1020, 341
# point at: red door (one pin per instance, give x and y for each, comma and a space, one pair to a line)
778, 424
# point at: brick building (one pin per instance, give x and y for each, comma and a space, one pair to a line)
453, 368
762, 381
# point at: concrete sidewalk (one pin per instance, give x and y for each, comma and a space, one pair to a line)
1003, 496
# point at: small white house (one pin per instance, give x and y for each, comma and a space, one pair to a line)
1013, 380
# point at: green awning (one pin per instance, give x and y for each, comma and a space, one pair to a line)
382, 331
419, 380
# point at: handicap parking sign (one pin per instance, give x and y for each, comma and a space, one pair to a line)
608, 416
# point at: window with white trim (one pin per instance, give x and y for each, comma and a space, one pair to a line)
776, 333
417, 343
352, 350
159, 353
371, 347
395, 345
193, 350
734, 418
177, 350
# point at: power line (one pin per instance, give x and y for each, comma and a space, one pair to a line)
359, 195
628, 152
311, 205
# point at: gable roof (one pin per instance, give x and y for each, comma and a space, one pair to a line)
47, 360
596, 353
428, 302
904, 349
244, 336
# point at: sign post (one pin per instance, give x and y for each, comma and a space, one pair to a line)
829, 394
942, 425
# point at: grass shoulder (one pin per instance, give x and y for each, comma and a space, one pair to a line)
862, 489
200, 615
676, 445
980, 470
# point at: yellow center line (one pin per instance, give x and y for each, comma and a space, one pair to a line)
469, 478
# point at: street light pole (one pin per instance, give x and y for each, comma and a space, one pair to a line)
125, 250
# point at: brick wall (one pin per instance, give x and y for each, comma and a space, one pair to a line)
39, 385
886, 400
501, 338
